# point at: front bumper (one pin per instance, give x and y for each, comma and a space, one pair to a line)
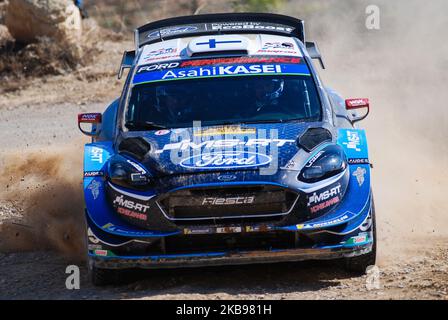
227, 258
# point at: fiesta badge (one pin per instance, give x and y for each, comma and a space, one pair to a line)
226, 160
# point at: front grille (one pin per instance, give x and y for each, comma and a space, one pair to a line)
228, 202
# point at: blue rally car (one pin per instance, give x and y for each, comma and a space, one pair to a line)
225, 148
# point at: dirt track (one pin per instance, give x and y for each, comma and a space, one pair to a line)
40, 275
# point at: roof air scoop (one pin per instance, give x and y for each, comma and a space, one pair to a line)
212, 45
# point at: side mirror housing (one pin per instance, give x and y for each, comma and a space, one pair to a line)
359, 103
126, 62
90, 123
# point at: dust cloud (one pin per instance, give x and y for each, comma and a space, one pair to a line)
46, 185
402, 68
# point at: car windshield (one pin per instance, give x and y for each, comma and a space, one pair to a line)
229, 100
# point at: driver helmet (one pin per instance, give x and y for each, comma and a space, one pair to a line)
170, 97
269, 90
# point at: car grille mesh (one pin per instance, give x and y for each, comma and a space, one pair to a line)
228, 203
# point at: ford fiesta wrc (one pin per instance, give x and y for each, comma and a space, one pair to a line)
225, 148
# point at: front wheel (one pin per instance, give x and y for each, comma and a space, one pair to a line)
359, 264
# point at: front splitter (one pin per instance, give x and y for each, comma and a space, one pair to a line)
225, 258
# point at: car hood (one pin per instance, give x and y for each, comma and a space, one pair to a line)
221, 148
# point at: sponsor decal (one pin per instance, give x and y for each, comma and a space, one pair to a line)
158, 58
129, 204
250, 26
325, 199
324, 195
94, 188
230, 70
322, 224
354, 103
291, 164
277, 51
158, 67
198, 231
325, 204
358, 161
360, 238
260, 228
159, 52
241, 60
353, 140
108, 226
96, 154
278, 45
92, 247
132, 214
102, 253
227, 177
217, 201
229, 230
225, 143
313, 159
89, 117
221, 71
88, 174
226, 130
161, 132
226, 160
359, 174
171, 31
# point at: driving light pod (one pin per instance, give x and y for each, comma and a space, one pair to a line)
127, 173
324, 164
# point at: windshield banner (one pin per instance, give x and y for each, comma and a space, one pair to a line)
219, 68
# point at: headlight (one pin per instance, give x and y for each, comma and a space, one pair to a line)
326, 163
127, 173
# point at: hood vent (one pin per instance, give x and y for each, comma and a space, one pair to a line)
135, 147
314, 137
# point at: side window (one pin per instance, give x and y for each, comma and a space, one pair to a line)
108, 123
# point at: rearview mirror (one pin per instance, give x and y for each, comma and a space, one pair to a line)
90, 123
359, 103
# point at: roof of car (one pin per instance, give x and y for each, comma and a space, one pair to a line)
222, 45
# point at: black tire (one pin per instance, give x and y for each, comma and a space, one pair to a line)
359, 264
104, 277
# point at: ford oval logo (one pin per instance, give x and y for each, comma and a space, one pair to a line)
226, 160
227, 177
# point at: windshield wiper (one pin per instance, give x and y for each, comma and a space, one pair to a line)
143, 125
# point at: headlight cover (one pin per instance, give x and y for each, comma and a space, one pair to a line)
324, 164
127, 173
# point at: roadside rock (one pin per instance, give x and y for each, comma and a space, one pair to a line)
27, 20
5, 36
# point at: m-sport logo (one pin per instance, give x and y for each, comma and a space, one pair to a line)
226, 160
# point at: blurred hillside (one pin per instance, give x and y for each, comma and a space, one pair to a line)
126, 15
